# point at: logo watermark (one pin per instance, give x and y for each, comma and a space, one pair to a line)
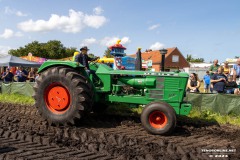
219, 153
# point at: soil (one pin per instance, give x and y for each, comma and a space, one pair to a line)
25, 135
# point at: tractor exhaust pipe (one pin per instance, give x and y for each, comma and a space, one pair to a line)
138, 64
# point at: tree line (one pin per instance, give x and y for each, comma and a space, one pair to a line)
53, 49
191, 59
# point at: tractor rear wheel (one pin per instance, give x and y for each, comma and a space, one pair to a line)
158, 118
62, 95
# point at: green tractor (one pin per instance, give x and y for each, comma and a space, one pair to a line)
64, 92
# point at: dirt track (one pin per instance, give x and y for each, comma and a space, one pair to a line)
24, 135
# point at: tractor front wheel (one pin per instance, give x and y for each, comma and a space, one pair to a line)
158, 118
62, 95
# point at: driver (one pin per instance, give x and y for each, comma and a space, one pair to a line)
83, 58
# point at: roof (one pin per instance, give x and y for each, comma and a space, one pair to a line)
117, 46
155, 56
9, 60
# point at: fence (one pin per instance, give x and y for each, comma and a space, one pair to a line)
218, 103
23, 88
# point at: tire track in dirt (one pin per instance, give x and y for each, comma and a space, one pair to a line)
121, 137
21, 146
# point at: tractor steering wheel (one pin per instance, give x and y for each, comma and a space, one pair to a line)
95, 61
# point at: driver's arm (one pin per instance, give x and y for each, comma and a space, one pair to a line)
92, 59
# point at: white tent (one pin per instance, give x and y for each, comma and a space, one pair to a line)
13, 61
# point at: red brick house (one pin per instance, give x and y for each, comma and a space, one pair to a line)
174, 59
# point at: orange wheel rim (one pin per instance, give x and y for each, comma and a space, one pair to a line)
57, 98
157, 119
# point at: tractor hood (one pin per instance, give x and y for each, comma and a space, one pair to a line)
104, 69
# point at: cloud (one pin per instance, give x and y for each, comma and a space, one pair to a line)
125, 40
108, 41
15, 12
88, 41
21, 14
157, 46
98, 10
18, 34
153, 27
8, 33
4, 50
75, 22
94, 21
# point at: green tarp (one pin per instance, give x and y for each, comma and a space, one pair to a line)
23, 88
219, 103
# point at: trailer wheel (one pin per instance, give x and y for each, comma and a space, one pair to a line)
62, 95
158, 118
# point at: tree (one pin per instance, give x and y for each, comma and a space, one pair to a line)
197, 60
191, 59
108, 54
53, 49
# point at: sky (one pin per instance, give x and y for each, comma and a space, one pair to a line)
208, 29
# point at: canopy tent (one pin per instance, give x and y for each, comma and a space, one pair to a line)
13, 61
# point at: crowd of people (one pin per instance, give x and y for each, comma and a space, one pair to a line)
20, 75
218, 79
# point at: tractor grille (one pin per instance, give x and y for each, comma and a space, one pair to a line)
159, 82
156, 94
156, 91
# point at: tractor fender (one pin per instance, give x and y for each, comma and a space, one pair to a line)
52, 63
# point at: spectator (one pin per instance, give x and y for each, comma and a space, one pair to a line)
193, 83
214, 67
219, 81
213, 70
21, 74
7, 76
231, 86
206, 80
226, 69
37, 76
237, 91
236, 70
31, 75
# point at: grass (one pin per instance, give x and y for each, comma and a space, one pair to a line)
210, 116
16, 99
126, 109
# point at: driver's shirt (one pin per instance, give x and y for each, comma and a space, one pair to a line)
84, 60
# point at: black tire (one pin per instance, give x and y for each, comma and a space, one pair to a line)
158, 118
64, 88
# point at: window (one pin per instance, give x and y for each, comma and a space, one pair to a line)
175, 58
